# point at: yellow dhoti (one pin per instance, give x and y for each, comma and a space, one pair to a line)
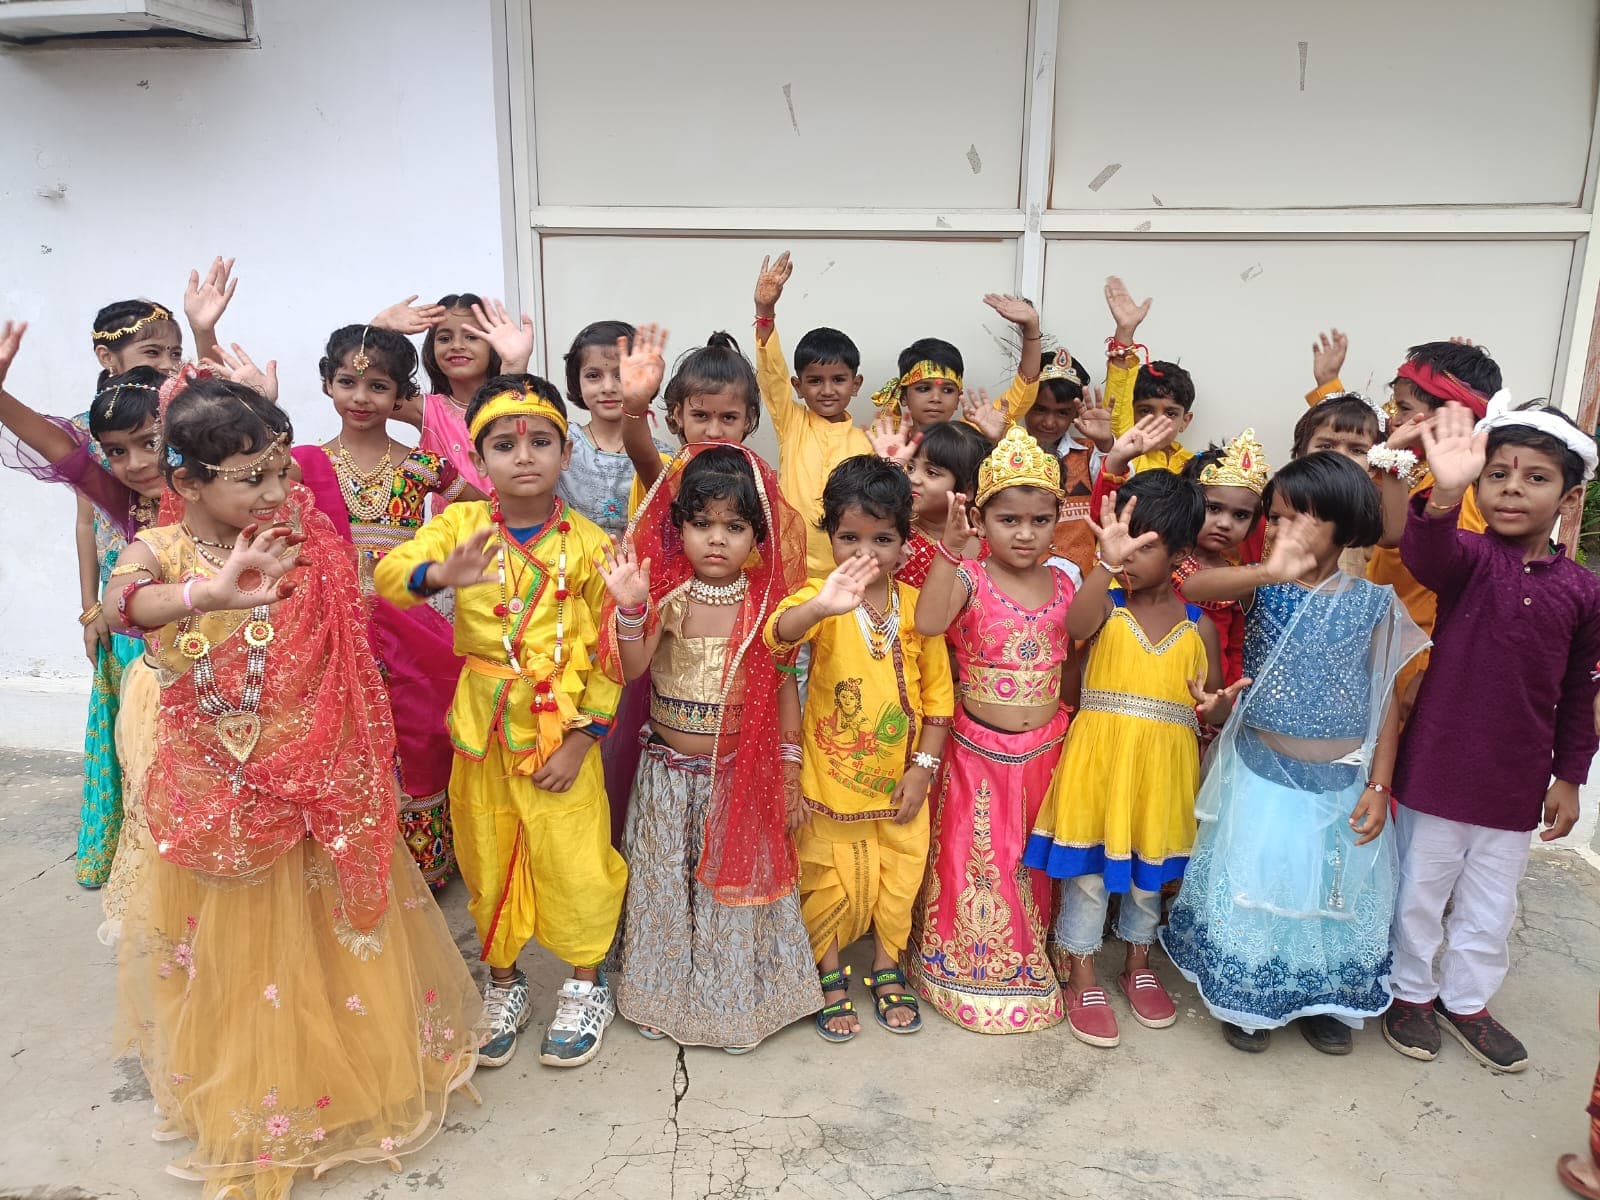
857, 876
537, 864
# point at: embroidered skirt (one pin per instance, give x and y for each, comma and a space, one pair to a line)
275, 1037
100, 820
704, 973
1281, 915
136, 749
977, 950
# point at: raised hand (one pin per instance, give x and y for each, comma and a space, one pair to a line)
627, 579
989, 418
846, 586
892, 439
1127, 315
641, 366
1455, 453
770, 280
958, 527
1213, 707
1327, 355
467, 565
1018, 311
1142, 437
511, 340
1094, 420
205, 300
408, 317
255, 571
1369, 816
241, 368
1114, 535
1291, 555
10, 342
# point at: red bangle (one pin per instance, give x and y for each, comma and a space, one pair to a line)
950, 556
1382, 789
126, 598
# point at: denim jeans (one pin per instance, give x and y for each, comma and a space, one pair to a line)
1082, 921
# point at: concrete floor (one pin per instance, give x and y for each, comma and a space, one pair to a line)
1171, 1113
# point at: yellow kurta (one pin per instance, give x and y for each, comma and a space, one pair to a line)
1119, 398
809, 448
537, 864
492, 703
859, 870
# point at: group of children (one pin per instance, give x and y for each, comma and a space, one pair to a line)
982, 682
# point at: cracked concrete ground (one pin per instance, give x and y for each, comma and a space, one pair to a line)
1171, 1113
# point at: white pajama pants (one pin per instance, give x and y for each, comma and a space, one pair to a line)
1480, 868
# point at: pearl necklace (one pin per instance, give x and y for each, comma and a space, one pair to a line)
880, 630
718, 593
362, 507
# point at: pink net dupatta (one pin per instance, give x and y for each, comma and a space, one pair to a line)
748, 856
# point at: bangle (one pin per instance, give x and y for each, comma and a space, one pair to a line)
1441, 509
1399, 463
90, 615
188, 587
630, 637
928, 762
949, 555
789, 752
126, 598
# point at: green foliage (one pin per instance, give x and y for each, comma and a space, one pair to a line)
1589, 527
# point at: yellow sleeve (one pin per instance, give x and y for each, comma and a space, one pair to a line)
1119, 393
938, 684
1020, 397
770, 633
600, 692
772, 376
1318, 394
636, 493
430, 544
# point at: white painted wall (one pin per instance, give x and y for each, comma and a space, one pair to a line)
347, 161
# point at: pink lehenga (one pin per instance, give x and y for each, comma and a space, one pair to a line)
977, 951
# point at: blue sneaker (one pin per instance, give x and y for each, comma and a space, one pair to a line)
583, 1010
507, 1011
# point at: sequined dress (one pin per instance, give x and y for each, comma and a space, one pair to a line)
1281, 915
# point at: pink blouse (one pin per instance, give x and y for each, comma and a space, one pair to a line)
444, 432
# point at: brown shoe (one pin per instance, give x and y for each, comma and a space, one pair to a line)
1488, 1041
1412, 1029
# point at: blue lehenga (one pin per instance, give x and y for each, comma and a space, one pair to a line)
100, 819
1281, 914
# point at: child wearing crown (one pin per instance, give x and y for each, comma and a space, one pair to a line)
977, 949
527, 791
1231, 478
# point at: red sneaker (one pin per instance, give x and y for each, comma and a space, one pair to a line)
1152, 1006
1090, 1017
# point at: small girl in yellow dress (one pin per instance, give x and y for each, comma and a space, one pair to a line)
1120, 813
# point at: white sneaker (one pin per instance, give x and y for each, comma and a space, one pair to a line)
583, 1010
507, 1011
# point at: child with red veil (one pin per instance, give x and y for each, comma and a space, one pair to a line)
711, 949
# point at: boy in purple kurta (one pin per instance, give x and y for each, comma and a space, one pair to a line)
1506, 705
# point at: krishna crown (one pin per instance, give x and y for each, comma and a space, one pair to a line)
1243, 464
1018, 461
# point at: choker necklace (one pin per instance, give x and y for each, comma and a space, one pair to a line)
880, 629
200, 541
718, 593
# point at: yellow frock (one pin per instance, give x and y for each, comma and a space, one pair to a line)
1121, 804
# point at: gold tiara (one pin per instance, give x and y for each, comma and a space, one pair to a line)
157, 313
1018, 461
1060, 367
1243, 464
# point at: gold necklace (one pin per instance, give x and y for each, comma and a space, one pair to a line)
363, 507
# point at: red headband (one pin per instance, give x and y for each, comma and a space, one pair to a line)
1441, 385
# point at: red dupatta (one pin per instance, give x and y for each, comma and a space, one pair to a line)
748, 856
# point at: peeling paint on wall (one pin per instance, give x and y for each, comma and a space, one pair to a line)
1099, 181
1304, 46
788, 98
1250, 272
973, 160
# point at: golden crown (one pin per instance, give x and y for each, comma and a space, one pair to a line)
1059, 366
1243, 464
1018, 461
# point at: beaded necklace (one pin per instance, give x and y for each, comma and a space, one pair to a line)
238, 725
362, 507
511, 602
880, 629
718, 593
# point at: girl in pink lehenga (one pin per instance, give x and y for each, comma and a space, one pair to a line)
977, 951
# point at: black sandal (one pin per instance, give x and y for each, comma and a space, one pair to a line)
837, 980
893, 976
